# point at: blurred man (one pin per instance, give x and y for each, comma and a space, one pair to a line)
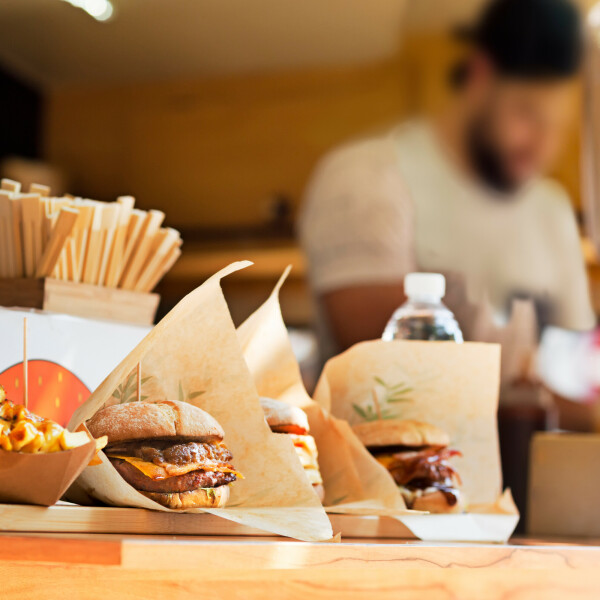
462, 194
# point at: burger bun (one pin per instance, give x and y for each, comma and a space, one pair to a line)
435, 502
400, 432
155, 420
200, 498
282, 414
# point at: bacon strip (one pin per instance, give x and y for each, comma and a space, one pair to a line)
422, 468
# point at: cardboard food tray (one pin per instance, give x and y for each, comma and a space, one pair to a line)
70, 518
41, 478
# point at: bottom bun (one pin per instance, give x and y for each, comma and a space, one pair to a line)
435, 502
320, 491
200, 498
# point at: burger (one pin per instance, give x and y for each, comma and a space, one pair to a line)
172, 452
285, 418
417, 456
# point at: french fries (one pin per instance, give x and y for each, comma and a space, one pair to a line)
24, 431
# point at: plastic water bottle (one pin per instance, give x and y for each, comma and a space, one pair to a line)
423, 316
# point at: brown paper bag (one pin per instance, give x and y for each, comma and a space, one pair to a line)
453, 386
41, 478
194, 355
354, 481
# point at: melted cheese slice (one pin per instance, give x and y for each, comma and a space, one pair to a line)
385, 459
156, 472
308, 461
306, 449
304, 441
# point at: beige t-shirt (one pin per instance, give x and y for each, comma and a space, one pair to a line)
382, 207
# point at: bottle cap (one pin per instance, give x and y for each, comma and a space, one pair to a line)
425, 284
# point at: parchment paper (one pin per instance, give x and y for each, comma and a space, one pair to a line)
453, 386
194, 355
354, 481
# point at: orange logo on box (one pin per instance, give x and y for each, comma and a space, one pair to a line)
54, 392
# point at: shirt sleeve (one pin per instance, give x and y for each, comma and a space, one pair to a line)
356, 226
574, 308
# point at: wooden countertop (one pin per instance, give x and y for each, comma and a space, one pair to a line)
89, 566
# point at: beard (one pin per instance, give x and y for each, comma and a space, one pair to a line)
487, 160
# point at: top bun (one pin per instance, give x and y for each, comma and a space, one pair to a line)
154, 420
280, 414
398, 432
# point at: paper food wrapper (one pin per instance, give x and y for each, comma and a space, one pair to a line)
453, 386
194, 355
354, 481
41, 478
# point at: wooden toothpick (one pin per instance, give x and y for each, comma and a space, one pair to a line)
25, 373
139, 381
376, 403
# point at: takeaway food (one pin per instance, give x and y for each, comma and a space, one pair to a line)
286, 418
24, 431
170, 451
417, 457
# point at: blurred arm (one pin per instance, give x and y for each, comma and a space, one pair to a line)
360, 313
357, 232
574, 307
568, 349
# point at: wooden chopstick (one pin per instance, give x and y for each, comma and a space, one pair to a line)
32, 232
70, 256
61, 265
167, 241
80, 235
8, 185
48, 219
136, 222
60, 234
166, 266
157, 240
42, 190
6, 242
118, 248
94, 245
17, 234
150, 226
110, 218
6, 238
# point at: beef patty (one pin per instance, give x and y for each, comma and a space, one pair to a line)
180, 483
166, 451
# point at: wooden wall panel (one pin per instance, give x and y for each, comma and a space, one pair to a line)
212, 152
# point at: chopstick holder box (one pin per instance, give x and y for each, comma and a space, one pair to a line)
80, 300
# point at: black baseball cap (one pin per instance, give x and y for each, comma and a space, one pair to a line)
529, 39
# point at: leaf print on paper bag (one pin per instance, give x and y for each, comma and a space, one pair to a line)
383, 394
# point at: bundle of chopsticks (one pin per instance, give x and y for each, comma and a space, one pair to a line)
101, 243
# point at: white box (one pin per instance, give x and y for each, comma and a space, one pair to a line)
68, 357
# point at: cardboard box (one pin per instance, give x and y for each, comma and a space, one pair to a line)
564, 485
68, 358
